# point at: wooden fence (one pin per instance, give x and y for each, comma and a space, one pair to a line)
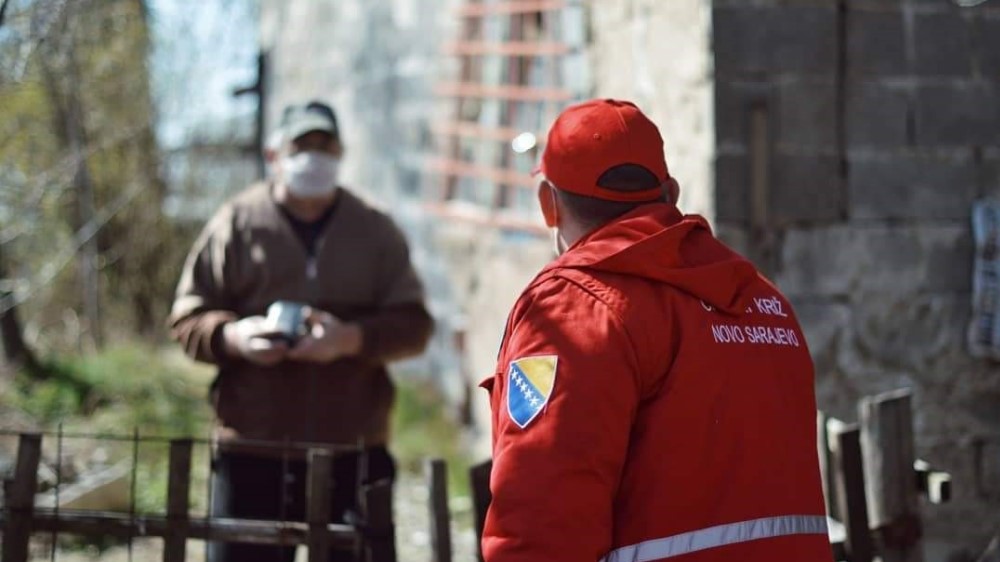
370, 536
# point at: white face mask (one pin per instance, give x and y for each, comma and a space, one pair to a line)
310, 174
558, 243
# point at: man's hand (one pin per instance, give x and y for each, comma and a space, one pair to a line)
244, 338
329, 339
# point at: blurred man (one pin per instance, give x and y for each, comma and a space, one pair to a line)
298, 238
654, 395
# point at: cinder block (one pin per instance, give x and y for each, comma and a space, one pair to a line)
805, 188
877, 115
943, 44
911, 187
875, 5
807, 114
958, 114
875, 44
989, 464
823, 323
988, 42
850, 259
989, 173
752, 40
732, 188
733, 100
733, 235
905, 331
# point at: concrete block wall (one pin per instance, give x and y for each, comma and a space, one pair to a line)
884, 129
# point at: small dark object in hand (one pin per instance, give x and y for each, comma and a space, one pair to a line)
286, 321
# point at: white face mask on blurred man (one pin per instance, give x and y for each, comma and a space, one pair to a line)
310, 174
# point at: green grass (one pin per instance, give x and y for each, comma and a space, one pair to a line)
126, 389
421, 429
118, 390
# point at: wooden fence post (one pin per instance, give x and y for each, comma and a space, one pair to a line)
178, 491
849, 492
479, 479
437, 482
21, 502
380, 542
320, 484
893, 502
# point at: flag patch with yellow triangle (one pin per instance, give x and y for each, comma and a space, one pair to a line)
529, 386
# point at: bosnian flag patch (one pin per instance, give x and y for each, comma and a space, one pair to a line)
529, 386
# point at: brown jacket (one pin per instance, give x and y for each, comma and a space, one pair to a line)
247, 257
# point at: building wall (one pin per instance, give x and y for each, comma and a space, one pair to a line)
376, 62
658, 55
883, 127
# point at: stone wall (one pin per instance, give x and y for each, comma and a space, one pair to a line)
883, 127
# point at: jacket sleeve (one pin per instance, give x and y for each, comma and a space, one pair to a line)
401, 327
202, 303
554, 481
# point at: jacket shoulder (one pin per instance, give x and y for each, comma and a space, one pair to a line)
367, 215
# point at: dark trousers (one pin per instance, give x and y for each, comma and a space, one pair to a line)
251, 487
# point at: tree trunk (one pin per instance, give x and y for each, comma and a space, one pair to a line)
62, 82
16, 353
88, 259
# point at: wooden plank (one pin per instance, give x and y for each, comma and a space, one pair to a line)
178, 493
849, 493
823, 450
939, 487
891, 482
507, 48
279, 533
486, 218
763, 243
836, 532
319, 484
935, 485
479, 481
508, 92
470, 170
380, 544
760, 165
19, 513
480, 9
471, 129
436, 472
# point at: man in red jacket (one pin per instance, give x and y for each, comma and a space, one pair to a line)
654, 394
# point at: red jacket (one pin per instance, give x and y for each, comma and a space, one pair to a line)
654, 400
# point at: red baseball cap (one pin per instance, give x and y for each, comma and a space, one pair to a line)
592, 137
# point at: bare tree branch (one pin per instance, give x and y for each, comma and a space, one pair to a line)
3, 11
